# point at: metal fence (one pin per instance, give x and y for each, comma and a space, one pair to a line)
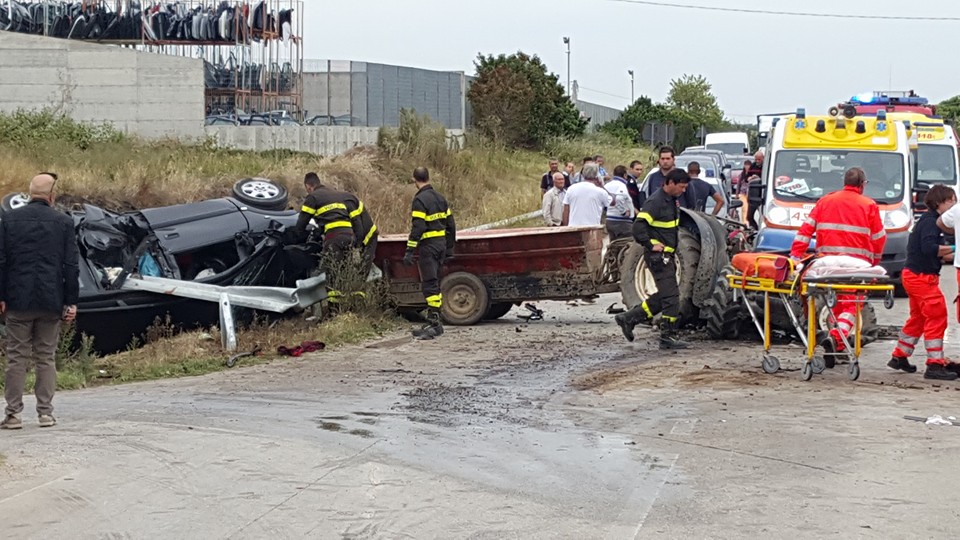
342, 92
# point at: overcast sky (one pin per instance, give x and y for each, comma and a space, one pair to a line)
756, 63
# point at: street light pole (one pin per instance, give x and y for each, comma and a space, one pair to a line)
632, 100
566, 41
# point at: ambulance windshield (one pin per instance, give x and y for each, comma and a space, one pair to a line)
807, 175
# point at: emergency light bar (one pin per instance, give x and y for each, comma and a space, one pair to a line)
889, 98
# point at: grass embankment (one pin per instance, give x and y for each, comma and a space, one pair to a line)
483, 183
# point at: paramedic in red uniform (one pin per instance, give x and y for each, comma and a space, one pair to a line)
921, 279
846, 223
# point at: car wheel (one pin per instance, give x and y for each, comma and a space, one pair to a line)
261, 193
12, 201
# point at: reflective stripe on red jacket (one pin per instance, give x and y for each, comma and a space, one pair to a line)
846, 223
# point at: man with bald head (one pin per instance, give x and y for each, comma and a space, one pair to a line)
39, 288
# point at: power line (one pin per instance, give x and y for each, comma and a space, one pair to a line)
786, 13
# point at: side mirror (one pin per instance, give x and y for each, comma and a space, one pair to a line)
728, 166
736, 203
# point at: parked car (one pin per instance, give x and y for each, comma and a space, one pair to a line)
244, 239
708, 173
221, 120
327, 120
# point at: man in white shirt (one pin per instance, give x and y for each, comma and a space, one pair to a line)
621, 213
585, 202
948, 222
553, 201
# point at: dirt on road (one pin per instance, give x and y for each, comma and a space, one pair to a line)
550, 429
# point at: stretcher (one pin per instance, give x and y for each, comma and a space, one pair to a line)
810, 292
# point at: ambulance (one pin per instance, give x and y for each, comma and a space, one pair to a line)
934, 154
806, 159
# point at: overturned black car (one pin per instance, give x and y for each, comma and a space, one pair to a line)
239, 240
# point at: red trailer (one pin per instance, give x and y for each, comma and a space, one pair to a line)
495, 269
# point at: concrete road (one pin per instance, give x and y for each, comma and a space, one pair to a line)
553, 429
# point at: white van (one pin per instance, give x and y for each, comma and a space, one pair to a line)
730, 143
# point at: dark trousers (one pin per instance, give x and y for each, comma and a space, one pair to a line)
431, 258
667, 297
619, 229
335, 262
32, 336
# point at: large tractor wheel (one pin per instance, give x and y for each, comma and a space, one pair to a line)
722, 315
637, 284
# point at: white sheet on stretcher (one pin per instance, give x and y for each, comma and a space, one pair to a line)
843, 265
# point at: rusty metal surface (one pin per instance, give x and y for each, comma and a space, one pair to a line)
514, 264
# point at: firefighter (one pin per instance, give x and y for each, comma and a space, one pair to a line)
846, 223
364, 232
328, 208
656, 229
433, 234
921, 279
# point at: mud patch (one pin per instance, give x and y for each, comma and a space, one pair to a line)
365, 433
329, 426
454, 405
672, 375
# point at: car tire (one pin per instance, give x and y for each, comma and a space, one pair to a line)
261, 193
12, 201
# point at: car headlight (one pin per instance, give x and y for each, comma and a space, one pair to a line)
897, 219
777, 215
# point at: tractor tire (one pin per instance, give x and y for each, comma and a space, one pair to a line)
722, 315
636, 282
869, 328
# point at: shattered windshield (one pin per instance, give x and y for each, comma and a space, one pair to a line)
807, 175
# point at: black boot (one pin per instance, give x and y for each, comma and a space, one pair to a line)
432, 329
901, 363
939, 372
670, 337
627, 321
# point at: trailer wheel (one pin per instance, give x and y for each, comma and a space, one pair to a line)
497, 310
465, 299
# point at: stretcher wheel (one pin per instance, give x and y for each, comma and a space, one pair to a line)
831, 299
888, 300
854, 371
819, 364
770, 364
807, 372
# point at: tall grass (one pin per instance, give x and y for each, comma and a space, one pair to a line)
484, 182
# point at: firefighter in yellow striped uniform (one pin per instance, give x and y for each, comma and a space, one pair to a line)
433, 234
657, 229
329, 209
364, 232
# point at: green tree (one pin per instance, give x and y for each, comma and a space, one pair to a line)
693, 103
949, 109
517, 102
629, 125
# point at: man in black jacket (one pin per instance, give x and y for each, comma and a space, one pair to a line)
329, 209
39, 287
433, 233
657, 229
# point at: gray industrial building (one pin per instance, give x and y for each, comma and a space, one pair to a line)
370, 94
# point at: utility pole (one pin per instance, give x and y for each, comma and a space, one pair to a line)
566, 40
632, 100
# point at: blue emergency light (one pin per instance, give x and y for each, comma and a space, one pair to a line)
880, 98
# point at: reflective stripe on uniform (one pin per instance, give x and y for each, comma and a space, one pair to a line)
306, 209
666, 248
843, 227
366, 239
435, 301
438, 215
879, 235
337, 225
433, 234
658, 224
802, 238
358, 211
670, 319
841, 250
646, 309
412, 243
810, 221
846, 321
934, 348
417, 214
329, 207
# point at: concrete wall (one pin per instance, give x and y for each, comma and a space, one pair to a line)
321, 140
145, 94
598, 114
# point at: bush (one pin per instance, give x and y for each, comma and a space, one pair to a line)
26, 128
